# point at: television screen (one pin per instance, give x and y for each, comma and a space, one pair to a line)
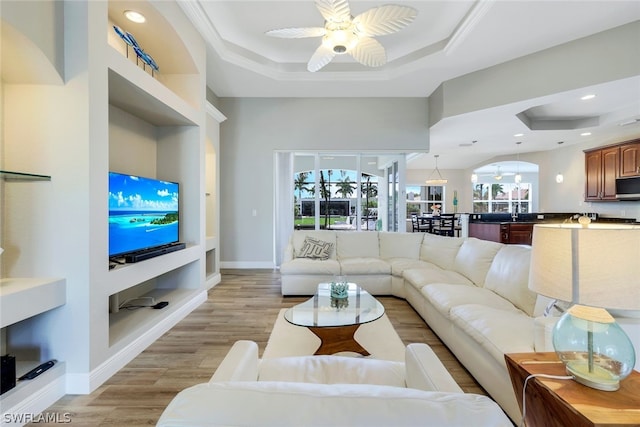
143, 213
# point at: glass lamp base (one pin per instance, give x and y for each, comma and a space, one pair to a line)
599, 378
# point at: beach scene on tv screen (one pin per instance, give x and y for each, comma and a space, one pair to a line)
143, 213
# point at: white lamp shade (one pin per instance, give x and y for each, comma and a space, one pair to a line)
598, 265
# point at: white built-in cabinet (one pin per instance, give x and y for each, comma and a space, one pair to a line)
90, 109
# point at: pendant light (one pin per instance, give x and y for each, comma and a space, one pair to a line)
518, 178
439, 180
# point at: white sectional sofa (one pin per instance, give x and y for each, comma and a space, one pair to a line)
472, 293
330, 390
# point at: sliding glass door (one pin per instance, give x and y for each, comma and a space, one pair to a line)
338, 191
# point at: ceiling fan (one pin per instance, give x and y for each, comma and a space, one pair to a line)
498, 174
342, 33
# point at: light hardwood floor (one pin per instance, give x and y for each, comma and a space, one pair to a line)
243, 306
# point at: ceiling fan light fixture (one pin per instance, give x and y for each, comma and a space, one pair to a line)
340, 41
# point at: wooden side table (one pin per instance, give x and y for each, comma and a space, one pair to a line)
551, 402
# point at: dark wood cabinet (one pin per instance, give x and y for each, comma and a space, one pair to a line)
630, 159
601, 172
518, 233
485, 230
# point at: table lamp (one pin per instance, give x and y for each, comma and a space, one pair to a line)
595, 267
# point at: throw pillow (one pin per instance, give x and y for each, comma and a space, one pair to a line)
315, 249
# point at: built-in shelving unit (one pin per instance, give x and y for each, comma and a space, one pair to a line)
106, 114
26, 297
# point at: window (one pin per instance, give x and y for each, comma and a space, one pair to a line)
501, 197
337, 200
421, 199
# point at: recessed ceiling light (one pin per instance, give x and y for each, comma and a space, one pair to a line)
134, 16
585, 134
518, 135
587, 97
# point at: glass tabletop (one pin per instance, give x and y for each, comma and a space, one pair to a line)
322, 310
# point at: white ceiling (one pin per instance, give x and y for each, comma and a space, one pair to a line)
448, 39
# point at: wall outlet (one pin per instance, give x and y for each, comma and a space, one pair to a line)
540, 216
254, 212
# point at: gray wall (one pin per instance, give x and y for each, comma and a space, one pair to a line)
256, 127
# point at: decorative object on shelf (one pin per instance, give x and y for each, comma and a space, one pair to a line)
140, 53
439, 180
595, 266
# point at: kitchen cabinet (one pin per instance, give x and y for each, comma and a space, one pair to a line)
517, 233
630, 159
485, 230
601, 172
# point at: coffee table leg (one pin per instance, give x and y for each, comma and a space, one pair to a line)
336, 339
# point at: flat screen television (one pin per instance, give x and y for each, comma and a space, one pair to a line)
143, 213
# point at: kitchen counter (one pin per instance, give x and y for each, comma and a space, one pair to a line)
500, 227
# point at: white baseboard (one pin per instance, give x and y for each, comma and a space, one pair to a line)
213, 280
247, 264
87, 383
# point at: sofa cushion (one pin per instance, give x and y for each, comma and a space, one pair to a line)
496, 331
315, 248
474, 259
364, 266
445, 296
399, 265
298, 237
508, 276
357, 244
332, 370
282, 404
310, 266
440, 250
400, 245
419, 277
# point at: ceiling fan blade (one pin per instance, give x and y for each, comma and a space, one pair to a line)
383, 20
369, 52
321, 57
334, 10
297, 33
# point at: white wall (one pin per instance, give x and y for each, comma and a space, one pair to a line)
258, 126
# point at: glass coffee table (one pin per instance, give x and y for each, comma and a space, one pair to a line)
336, 320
